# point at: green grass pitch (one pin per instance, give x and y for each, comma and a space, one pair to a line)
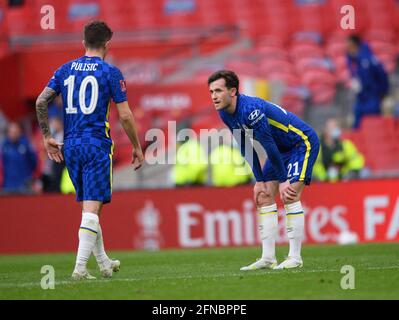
211, 274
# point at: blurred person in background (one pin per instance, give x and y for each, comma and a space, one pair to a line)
228, 167
19, 161
191, 164
369, 79
338, 158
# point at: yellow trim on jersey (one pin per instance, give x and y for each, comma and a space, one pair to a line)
107, 129
279, 125
110, 169
304, 138
106, 122
307, 154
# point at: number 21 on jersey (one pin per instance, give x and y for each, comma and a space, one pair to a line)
293, 166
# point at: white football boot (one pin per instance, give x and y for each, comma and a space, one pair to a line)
107, 271
289, 263
260, 264
82, 275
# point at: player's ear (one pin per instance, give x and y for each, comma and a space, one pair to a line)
233, 92
84, 43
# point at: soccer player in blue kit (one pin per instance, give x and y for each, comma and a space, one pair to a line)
292, 147
87, 85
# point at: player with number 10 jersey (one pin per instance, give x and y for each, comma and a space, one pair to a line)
87, 84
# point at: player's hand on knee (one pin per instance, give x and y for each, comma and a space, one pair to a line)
137, 158
287, 193
260, 193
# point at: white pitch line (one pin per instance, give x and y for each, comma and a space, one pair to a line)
242, 273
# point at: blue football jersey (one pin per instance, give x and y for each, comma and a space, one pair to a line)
276, 129
87, 85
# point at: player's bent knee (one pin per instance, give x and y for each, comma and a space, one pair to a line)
265, 199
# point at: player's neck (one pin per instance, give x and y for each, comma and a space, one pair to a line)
231, 109
95, 53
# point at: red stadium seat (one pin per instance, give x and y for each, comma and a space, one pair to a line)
322, 93
279, 27
309, 17
340, 69
305, 64
272, 52
307, 37
311, 77
380, 140
388, 61
269, 41
377, 34
382, 46
336, 48
270, 65
244, 54
306, 50
243, 67
288, 78
340, 62
343, 76
377, 125
293, 102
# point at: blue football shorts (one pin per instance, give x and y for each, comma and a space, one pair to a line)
90, 169
299, 161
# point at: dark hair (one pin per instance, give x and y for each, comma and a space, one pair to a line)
354, 38
96, 34
229, 76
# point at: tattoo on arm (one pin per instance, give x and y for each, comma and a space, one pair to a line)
42, 103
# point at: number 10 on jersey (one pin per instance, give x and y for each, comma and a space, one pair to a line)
70, 83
